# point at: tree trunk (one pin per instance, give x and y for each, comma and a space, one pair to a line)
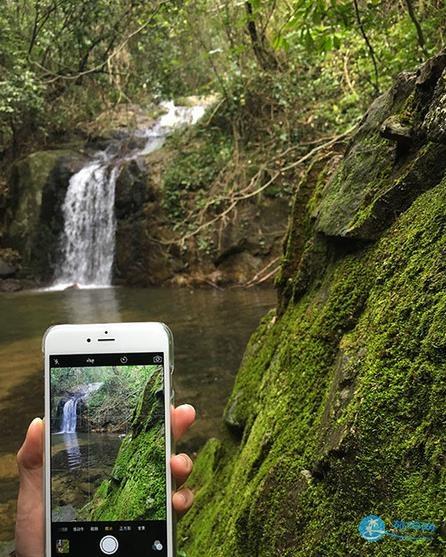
261, 49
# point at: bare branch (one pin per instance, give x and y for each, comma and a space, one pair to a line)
413, 17
368, 43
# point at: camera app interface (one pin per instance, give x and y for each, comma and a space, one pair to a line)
108, 467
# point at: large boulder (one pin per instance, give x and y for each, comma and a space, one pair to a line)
397, 153
37, 187
337, 412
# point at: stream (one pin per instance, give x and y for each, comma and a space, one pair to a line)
211, 328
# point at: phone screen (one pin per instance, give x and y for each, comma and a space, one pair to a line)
108, 455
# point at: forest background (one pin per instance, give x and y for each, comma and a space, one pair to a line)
290, 76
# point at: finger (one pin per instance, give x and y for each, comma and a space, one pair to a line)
181, 466
182, 418
182, 500
29, 520
30, 455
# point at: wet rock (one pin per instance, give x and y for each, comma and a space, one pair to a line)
37, 189
15, 285
6, 270
10, 285
131, 191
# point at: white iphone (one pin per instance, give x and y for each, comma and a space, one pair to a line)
108, 442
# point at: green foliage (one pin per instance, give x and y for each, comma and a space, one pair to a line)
196, 166
20, 93
112, 405
63, 62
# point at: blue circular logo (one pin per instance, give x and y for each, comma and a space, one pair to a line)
372, 528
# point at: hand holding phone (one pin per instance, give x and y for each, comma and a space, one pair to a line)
30, 516
80, 387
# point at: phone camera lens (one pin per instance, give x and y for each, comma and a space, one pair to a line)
106, 332
88, 339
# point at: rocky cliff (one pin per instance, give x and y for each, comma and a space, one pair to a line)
338, 408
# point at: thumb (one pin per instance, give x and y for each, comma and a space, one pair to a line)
29, 521
30, 455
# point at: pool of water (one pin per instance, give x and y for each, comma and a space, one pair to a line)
79, 463
210, 327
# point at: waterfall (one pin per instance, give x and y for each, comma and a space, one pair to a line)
89, 230
88, 238
69, 417
69, 413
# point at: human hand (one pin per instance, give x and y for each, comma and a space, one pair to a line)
29, 532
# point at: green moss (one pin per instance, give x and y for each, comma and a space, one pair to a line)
340, 403
363, 174
136, 488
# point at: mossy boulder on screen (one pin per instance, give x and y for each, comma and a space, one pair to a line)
338, 410
136, 489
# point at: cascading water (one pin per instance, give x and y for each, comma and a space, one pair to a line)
69, 413
89, 231
69, 418
88, 239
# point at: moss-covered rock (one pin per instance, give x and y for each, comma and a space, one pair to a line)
338, 408
28, 179
136, 488
390, 161
37, 187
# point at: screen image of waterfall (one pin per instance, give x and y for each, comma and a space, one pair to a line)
69, 412
69, 418
88, 239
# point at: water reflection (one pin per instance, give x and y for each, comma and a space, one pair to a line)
98, 304
74, 456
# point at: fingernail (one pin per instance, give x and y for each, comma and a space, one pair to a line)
191, 407
182, 496
186, 461
34, 422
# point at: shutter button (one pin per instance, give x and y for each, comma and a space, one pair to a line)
109, 545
